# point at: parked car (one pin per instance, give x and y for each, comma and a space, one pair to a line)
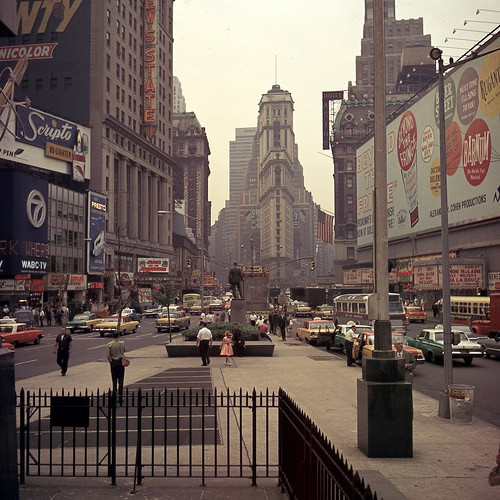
336, 339
83, 322
364, 345
110, 325
431, 342
312, 327
414, 314
324, 312
491, 346
173, 320
20, 333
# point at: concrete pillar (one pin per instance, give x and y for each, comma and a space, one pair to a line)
8, 436
238, 311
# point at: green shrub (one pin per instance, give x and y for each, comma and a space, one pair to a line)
218, 330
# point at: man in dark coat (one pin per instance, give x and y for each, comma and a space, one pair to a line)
62, 347
235, 279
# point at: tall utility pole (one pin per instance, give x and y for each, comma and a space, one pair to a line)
384, 398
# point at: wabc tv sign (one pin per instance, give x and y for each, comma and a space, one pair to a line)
24, 247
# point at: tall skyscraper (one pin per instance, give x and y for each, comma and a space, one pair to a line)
179, 101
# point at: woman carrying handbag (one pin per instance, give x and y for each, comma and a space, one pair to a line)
117, 362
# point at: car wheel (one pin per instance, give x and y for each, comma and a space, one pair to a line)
488, 355
468, 361
328, 346
36, 341
158, 330
428, 356
102, 334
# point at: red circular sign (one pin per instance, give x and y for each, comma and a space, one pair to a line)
476, 152
407, 140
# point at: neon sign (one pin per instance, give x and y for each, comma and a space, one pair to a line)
150, 69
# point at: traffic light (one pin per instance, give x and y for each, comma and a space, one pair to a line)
312, 265
188, 262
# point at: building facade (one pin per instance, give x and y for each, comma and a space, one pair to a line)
108, 65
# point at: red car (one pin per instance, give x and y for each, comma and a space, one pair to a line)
20, 333
415, 314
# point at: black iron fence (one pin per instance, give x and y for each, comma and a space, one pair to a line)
309, 465
169, 433
152, 433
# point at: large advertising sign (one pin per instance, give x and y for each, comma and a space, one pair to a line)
150, 68
24, 247
97, 208
46, 141
472, 108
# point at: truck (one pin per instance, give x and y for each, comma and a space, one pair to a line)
489, 327
314, 296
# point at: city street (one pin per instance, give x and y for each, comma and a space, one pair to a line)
37, 360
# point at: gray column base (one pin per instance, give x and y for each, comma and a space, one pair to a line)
385, 410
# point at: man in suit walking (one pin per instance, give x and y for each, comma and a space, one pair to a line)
62, 347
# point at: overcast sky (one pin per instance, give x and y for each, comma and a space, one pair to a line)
225, 54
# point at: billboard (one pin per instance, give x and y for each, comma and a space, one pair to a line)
46, 141
152, 265
24, 247
97, 208
472, 108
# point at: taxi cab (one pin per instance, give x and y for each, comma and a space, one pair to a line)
311, 328
302, 309
415, 314
110, 326
364, 345
173, 320
324, 312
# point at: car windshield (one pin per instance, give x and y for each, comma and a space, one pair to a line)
321, 326
80, 316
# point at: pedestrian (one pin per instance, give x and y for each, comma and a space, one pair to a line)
62, 347
204, 343
253, 319
238, 340
235, 279
349, 342
226, 349
42, 316
115, 353
410, 361
282, 323
263, 330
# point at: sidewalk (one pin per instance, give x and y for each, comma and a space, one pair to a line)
450, 461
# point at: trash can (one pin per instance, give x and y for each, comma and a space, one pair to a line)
461, 399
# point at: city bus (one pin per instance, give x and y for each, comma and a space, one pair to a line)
354, 307
189, 300
465, 309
